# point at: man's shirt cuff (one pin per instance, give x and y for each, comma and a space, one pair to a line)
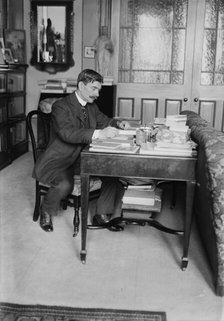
96, 134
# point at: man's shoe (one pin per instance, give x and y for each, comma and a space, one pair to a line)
101, 219
46, 221
104, 221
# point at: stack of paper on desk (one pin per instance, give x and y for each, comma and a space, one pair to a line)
104, 144
168, 149
128, 132
112, 145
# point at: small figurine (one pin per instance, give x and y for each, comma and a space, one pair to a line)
104, 49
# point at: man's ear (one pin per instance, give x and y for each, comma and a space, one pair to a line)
80, 85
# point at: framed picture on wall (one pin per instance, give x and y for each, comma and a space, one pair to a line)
8, 56
2, 60
15, 40
2, 45
89, 52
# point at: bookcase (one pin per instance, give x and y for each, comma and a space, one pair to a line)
13, 131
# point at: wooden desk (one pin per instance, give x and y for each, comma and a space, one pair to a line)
136, 165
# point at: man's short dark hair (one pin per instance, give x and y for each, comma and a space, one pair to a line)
89, 75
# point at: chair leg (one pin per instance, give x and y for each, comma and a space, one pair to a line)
174, 195
36, 212
76, 220
64, 205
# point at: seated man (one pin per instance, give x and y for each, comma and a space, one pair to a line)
76, 121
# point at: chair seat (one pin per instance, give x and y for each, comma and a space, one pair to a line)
94, 185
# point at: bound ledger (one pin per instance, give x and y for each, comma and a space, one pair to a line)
139, 197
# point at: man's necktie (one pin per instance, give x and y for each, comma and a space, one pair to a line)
85, 114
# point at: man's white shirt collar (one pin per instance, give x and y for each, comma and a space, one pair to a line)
81, 101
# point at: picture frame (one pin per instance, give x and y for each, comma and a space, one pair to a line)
8, 56
2, 59
89, 52
15, 40
2, 83
2, 45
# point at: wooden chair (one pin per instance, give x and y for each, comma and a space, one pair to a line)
40, 120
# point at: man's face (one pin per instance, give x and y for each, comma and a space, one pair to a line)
90, 91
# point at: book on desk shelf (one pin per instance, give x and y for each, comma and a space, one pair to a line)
149, 187
139, 197
143, 211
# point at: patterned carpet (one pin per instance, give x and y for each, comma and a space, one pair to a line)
16, 312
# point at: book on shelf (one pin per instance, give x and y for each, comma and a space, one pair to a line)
58, 85
137, 210
148, 187
138, 197
54, 83
137, 214
55, 91
71, 82
70, 89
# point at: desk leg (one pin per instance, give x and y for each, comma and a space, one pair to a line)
84, 214
190, 187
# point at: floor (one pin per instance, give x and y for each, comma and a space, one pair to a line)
137, 269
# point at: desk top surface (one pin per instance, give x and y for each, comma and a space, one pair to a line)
136, 165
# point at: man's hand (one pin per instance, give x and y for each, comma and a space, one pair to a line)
123, 124
108, 132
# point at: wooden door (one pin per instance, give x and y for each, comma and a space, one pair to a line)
207, 97
175, 33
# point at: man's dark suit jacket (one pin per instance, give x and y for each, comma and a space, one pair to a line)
69, 135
